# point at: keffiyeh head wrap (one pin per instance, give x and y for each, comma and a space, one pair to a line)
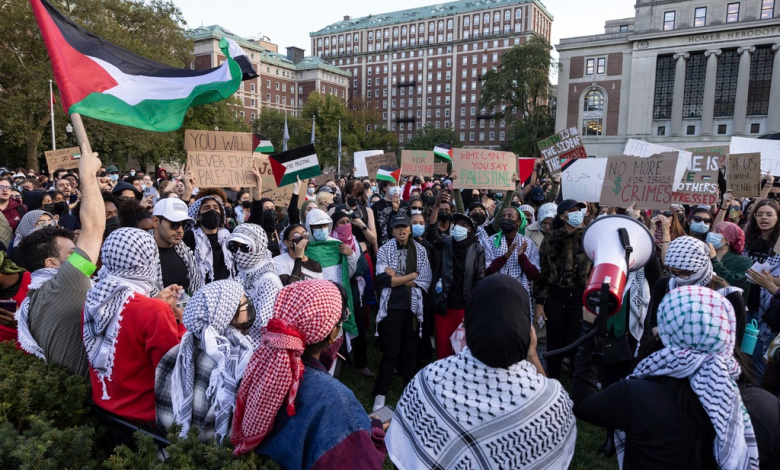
689, 254
207, 318
733, 234
305, 313
194, 210
204, 256
27, 224
527, 208
698, 329
130, 258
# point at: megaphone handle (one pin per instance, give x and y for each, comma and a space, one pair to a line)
602, 322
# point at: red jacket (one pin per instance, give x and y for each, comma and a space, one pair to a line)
13, 213
147, 331
8, 333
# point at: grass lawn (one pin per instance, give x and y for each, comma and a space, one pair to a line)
589, 438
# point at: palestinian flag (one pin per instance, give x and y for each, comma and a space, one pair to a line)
389, 173
261, 144
335, 267
444, 151
299, 162
103, 81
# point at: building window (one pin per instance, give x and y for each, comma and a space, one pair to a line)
691, 130
594, 101
589, 67
767, 9
755, 128
732, 13
760, 81
726, 83
601, 65
591, 127
668, 21
694, 85
721, 129
700, 17
664, 87
623, 28
661, 131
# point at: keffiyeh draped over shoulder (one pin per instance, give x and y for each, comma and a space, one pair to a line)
689, 254
27, 224
130, 260
204, 256
257, 273
207, 318
698, 328
389, 256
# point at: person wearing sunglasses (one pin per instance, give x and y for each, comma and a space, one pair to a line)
293, 265
700, 223
177, 262
196, 381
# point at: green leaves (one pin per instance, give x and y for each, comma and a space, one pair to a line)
428, 137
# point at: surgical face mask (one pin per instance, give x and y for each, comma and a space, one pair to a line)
459, 233
716, 239
132, 173
394, 191
320, 234
373, 189
418, 230
699, 228
310, 191
143, 187
575, 218
210, 219
114, 177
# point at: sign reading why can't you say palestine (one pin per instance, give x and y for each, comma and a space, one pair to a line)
484, 169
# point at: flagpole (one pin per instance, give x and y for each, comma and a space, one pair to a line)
51, 109
81, 133
339, 147
312, 130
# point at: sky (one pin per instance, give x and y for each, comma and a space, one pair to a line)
288, 23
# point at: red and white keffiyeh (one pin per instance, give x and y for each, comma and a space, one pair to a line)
305, 313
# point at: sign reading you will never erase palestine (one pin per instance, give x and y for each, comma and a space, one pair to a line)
565, 145
220, 159
484, 169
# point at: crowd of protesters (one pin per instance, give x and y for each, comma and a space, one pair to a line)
220, 310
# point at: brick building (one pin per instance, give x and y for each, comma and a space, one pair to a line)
424, 65
284, 81
680, 73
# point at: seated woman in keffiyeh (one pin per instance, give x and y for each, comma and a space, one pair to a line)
196, 381
207, 238
490, 406
289, 408
681, 408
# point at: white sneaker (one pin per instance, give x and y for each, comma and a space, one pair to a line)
379, 402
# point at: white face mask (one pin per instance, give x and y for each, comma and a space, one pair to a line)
394, 191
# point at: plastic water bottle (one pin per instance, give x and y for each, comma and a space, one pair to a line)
438, 291
750, 338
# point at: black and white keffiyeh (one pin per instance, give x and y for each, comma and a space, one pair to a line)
130, 262
27, 224
207, 318
639, 299
689, 254
512, 268
389, 256
461, 413
257, 273
527, 208
204, 255
193, 274
698, 329
22, 316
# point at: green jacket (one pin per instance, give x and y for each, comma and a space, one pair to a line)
563, 263
732, 268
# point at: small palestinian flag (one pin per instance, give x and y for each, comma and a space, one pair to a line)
444, 151
299, 162
389, 173
103, 81
261, 144
706, 177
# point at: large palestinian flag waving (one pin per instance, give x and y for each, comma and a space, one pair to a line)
103, 81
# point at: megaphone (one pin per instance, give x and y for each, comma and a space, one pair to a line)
617, 245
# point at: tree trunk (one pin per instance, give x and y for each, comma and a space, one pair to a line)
33, 139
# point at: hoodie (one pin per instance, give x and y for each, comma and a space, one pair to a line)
13, 212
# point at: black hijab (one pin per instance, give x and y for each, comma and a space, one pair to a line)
498, 321
33, 199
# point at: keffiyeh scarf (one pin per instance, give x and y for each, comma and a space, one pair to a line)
389, 256
462, 413
305, 313
27, 224
193, 274
130, 260
497, 246
22, 316
689, 254
698, 329
207, 318
256, 271
204, 256
527, 208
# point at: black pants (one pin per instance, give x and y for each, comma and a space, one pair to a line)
564, 317
360, 342
399, 337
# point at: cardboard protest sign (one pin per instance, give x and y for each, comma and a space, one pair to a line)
374, 162
484, 169
440, 168
564, 145
743, 174
638, 148
280, 196
218, 141
361, 165
417, 162
323, 178
290, 165
67, 159
221, 169
769, 150
648, 182
720, 151
582, 179
699, 184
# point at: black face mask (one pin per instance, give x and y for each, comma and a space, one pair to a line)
112, 224
48, 207
507, 225
60, 207
681, 217
229, 212
269, 219
210, 219
479, 218
351, 201
444, 216
246, 204
429, 200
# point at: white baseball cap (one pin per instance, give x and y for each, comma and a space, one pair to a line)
173, 209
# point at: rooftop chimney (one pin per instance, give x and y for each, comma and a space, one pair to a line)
347, 17
295, 54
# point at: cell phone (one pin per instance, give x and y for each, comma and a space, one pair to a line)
384, 414
540, 322
150, 191
9, 305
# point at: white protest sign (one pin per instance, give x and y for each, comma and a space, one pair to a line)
769, 150
638, 148
582, 179
360, 161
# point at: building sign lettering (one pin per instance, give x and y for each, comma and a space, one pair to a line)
751, 33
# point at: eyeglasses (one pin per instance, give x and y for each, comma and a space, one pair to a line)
44, 223
667, 213
234, 246
681, 274
696, 218
174, 225
5, 188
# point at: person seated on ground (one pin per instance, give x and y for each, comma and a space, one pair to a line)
293, 265
251, 264
126, 332
286, 395
196, 381
14, 284
49, 319
494, 390
207, 238
681, 407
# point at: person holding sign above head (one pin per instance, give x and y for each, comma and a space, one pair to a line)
439, 222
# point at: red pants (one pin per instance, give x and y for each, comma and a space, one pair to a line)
445, 327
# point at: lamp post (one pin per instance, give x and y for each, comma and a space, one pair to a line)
69, 133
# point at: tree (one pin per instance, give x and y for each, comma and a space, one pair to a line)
519, 92
427, 138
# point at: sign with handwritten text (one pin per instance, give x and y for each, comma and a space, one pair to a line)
769, 150
417, 162
440, 168
638, 148
720, 151
743, 174
217, 141
699, 184
221, 169
582, 179
66, 159
484, 169
374, 162
565, 145
648, 182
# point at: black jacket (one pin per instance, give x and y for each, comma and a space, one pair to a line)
474, 272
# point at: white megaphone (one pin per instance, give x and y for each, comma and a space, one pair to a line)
617, 245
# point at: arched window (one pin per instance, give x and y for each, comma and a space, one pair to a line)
507, 15
487, 18
593, 113
441, 24
476, 19
497, 17
519, 14
356, 37
594, 101
319, 42
466, 21
412, 29
395, 32
403, 31
449, 24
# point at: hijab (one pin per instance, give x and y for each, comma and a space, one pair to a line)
689, 254
27, 224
